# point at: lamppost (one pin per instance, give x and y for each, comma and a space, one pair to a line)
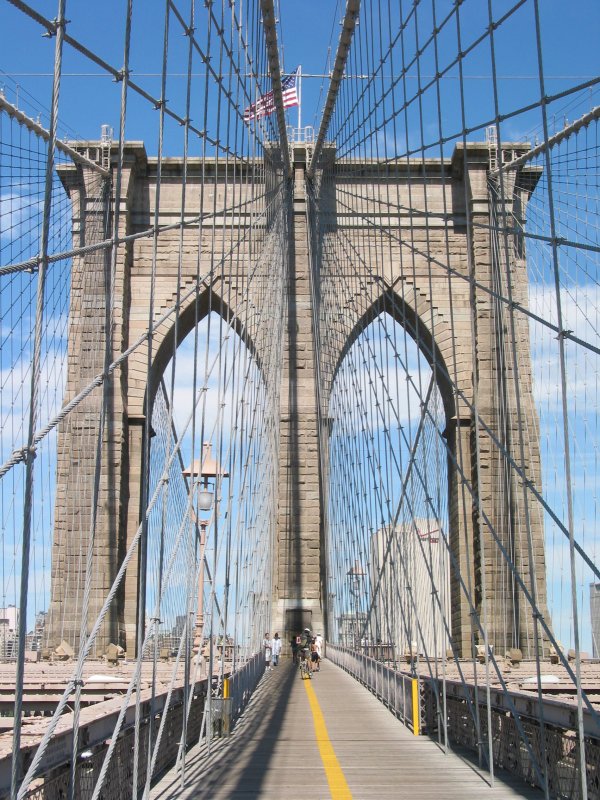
203, 470
355, 574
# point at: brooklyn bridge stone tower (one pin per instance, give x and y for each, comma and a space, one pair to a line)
458, 324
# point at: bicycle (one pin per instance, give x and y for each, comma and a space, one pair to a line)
305, 670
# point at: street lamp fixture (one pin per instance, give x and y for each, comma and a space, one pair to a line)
205, 469
356, 573
205, 499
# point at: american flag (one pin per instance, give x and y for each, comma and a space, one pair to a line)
266, 104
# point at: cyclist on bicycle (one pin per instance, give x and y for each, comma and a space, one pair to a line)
304, 649
306, 640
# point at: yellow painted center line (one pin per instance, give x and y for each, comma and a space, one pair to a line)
335, 777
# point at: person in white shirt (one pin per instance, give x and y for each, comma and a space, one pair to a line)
319, 644
276, 649
268, 648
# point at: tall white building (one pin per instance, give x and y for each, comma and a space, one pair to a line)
9, 626
409, 568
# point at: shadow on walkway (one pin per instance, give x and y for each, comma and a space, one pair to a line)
274, 752
241, 760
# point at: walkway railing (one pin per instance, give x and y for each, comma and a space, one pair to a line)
553, 742
397, 691
243, 682
555, 736
302, 135
54, 774
53, 780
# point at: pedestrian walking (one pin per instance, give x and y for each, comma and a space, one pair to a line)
319, 643
294, 642
276, 649
268, 650
314, 656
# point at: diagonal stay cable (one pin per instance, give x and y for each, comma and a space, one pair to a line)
85, 650
20, 454
31, 263
443, 372
348, 27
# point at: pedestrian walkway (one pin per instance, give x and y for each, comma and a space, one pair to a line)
358, 749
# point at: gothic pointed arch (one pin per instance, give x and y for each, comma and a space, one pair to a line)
434, 344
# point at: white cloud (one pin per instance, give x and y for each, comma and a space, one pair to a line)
231, 382
19, 222
580, 307
581, 315
372, 375
15, 390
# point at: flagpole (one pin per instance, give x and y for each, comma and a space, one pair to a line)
299, 97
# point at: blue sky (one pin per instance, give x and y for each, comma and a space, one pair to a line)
308, 30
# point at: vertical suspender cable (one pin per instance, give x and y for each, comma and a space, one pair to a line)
143, 552
109, 309
565, 414
520, 422
34, 400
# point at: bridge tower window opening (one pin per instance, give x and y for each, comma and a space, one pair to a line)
218, 383
388, 508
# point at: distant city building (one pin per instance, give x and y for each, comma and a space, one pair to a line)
350, 629
40, 622
36, 636
595, 618
179, 626
407, 566
9, 626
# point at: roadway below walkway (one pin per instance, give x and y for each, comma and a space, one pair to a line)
328, 738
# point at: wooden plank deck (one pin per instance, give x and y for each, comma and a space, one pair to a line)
273, 752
